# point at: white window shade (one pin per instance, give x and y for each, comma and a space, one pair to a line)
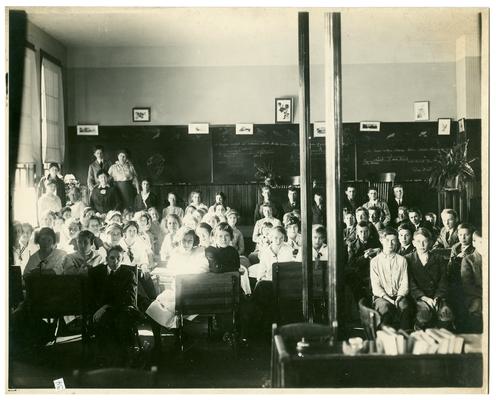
52, 113
29, 135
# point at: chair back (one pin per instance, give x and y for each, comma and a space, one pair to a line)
15, 286
299, 330
369, 318
51, 296
386, 177
207, 293
287, 278
113, 378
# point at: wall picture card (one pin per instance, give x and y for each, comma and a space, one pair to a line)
421, 111
244, 129
443, 126
198, 129
319, 129
141, 114
87, 130
370, 126
284, 110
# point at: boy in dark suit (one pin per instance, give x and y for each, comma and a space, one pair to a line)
113, 289
448, 236
292, 203
266, 199
318, 209
405, 236
100, 164
350, 203
428, 284
397, 201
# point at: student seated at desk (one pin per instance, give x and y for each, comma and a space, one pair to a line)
292, 227
267, 217
76, 204
401, 218
238, 241
362, 214
221, 256
266, 200
104, 197
471, 275
196, 201
48, 259
95, 226
204, 232
68, 241
389, 281
220, 199
448, 236
144, 221
428, 284
375, 216
135, 248
416, 220
24, 246
319, 248
292, 203
49, 201
431, 218
360, 251
349, 232
172, 208
145, 199
187, 258
262, 242
405, 237
170, 241
85, 257
375, 201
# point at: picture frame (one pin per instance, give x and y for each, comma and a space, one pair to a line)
421, 110
87, 130
461, 125
244, 129
443, 126
141, 114
319, 129
370, 126
198, 129
283, 110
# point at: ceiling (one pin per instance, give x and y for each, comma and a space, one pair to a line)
258, 35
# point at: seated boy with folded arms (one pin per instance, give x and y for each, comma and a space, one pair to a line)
389, 281
428, 284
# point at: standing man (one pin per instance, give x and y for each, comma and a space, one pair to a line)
293, 202
397, 201
53, 175
100, 164
375, 201
350, 203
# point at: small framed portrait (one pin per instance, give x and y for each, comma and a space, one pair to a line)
319, 129
370, 126
198, 129
141, 114
87, 130
244, 129
284, 110
461, 125
421, 111
443, 126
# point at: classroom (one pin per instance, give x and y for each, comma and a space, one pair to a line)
295, 195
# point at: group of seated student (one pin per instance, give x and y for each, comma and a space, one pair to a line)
395, 258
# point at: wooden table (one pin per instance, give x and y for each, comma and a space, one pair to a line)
326, 366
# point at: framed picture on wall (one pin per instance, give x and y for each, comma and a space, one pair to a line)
461, 125
284, 110
370, 126
87, 130
141, 114
443, 126
421, 110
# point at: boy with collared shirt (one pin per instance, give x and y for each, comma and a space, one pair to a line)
350, 203
405, 238
292, 203
319, 248
448, 235
428, 284
389, 281
362, 214
415, 217
375, 201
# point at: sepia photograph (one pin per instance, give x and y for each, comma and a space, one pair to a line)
195, 252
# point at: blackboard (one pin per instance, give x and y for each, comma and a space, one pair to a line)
236, 157
407, 148
162, 153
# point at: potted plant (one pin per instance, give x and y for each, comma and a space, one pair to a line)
452, 169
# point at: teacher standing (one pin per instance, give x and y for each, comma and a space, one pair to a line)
125, 179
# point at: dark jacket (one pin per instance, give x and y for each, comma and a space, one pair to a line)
471, 275
104, 202
356, 250
59, 183
393, 206
151, 201
93, 170
455, 262
427, 280
318, 214
276, 211
442, 243
222, 259
118, 291
288, 207
350, 206
405, 251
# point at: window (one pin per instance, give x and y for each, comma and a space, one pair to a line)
52, 113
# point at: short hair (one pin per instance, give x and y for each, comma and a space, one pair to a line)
292, 220
349, 186
224, 227
192, 193
265, 188
280, 229
387, 231
174, 217
86, 210
232, 212
98, 147
318, 193
101, 172
147, 179
117, 248
468, 227
27, 225
130, 224
185, 231
477, 232
206, 226
430, 214
372, 188
145, 214
112, 226
45, 231
449, 211
291, 188
86, 234
414, 210
360, 209
424, 232
397, 185
123, 151
374, 208
66, 208
405, 226
95, 218
403, 208
320, 229
363, 224
54, 164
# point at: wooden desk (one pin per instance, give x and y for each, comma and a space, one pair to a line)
327, 366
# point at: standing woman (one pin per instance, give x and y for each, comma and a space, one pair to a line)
125, 179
